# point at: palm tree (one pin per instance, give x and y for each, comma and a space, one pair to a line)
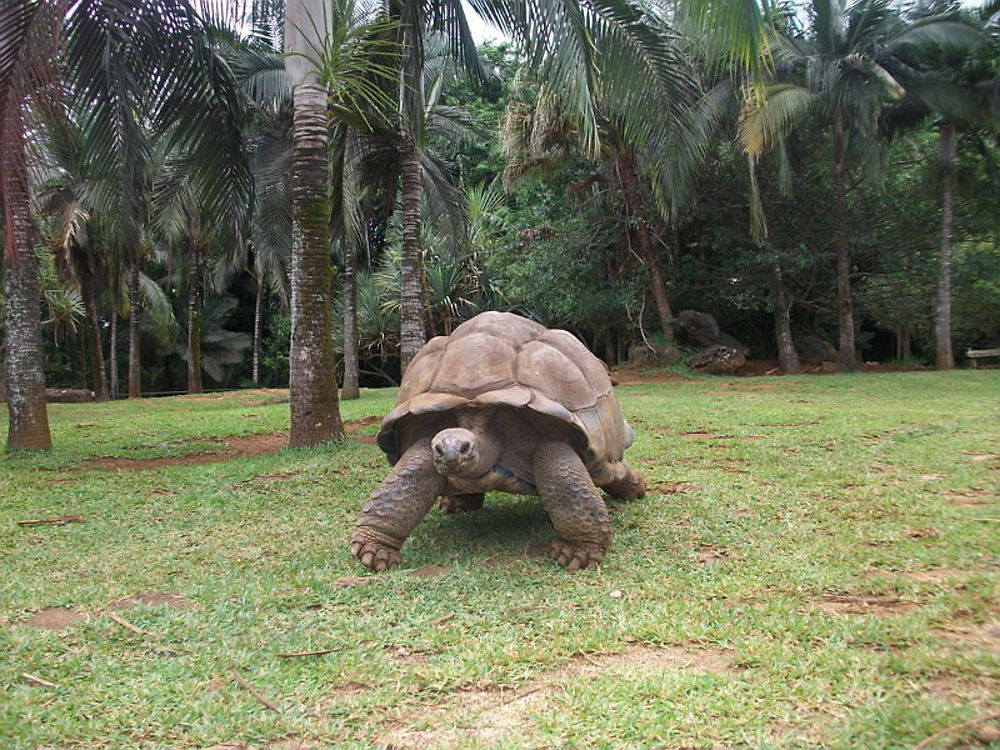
32, 34
845, 67
959, 89
122, 62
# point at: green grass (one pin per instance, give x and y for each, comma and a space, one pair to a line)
825, 576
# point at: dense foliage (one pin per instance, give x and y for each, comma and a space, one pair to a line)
520, 212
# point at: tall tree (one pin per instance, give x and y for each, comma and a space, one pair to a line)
32, 33
844, 66
959, 89
313, 384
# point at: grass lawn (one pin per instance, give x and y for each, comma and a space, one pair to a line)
815, 565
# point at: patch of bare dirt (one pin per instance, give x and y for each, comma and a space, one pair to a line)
970, 498
431, 570
670, 488
809, 730
844, 604
359, 424
708, 554
985, 635
235, 447
642, 375
150, 599
490, 713
950, 577
352, 581
283, 476
54, 618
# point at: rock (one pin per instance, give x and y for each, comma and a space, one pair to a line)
697, 328
702, 329
726, 340
717, 360
815, 351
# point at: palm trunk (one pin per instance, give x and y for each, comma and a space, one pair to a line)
944, 357
351, 389
845, 314
113, 353
788, 358
28, 421
411, 322
315, 410
134, 372
630, 188
194, 324
96, 350
258, 309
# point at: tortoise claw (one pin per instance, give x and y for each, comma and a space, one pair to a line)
576, 556
375, 556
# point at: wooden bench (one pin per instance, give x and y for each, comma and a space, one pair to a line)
975, 355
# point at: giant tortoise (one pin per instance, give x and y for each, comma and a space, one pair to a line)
504, 404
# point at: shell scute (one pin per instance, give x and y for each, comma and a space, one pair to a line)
475, 364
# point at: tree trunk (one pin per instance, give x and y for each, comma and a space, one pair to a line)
630, 188
194, 324
96, 350
113, 353
905, 345
257, 326
28, 421
845, 314
351, 389
788, 358
411, 321
134, 371
315, 409
944, 357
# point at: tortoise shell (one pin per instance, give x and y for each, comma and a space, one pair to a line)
503, 360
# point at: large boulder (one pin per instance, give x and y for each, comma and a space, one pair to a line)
701, 329
696, 327
815, 351
717, 360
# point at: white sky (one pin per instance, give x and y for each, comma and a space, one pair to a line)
481, 31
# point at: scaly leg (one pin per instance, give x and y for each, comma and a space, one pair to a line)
461, 503
574, 506
396, 507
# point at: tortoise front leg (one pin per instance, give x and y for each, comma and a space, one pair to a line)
395, 508
574, 506
461, 503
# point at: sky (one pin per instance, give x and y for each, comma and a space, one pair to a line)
481, 31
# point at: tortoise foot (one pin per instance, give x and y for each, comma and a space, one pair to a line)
575, 556
374, 555
460, 503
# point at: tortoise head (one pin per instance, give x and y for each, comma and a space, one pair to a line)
459, 452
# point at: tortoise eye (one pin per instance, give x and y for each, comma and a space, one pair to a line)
464, 448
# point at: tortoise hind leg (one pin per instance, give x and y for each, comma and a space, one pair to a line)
461, 503
396, 507
574, 506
